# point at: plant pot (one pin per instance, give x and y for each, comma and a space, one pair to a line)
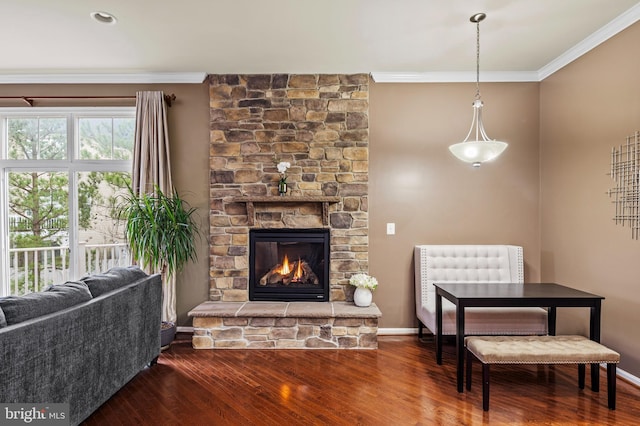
167, 334
362, 297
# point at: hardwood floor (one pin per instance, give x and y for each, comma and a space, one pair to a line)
398, 384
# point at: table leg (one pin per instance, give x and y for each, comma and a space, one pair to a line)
551, 320
438, 329
594, 323
594, 334
460, 346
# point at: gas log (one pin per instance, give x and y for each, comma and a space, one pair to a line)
300, 273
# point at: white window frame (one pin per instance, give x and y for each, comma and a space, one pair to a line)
71, 165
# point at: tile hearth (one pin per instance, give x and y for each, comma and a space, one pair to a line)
284, 325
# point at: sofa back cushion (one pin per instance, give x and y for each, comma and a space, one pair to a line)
54, 298
113, 279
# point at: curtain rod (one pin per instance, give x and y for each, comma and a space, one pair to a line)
29, 99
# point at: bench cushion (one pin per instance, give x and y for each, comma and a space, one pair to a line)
539, 350
483, 321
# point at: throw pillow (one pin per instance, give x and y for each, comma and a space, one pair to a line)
113, 279
54, 298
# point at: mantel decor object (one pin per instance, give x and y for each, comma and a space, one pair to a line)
282, 187
282, 182
365, 284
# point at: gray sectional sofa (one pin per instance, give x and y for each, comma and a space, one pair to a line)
81, 341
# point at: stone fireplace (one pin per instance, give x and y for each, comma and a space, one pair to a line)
320, 124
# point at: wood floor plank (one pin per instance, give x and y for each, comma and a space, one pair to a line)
398, 384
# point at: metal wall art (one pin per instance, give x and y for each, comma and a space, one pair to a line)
625, 171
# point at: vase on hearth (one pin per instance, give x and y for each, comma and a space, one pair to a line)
362, 296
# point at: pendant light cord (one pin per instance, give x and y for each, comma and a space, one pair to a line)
478, 59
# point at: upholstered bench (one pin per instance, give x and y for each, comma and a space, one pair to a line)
444, 264
541, 350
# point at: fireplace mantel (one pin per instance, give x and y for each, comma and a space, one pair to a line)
250, 200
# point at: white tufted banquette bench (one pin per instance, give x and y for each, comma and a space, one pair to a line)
541, 350
468, 264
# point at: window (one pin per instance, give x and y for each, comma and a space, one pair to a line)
61, 173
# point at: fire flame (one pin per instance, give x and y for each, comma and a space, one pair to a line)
298, 275
285, 269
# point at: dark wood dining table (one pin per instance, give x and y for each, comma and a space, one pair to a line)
545, 295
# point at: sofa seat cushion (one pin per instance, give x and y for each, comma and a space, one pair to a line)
54, 298
483, 321
113, 279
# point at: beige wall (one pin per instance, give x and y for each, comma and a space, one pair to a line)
432, 197
189, 136
588, 108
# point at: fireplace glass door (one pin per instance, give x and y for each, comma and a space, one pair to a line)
289, 264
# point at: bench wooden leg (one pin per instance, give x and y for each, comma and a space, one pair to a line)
581, 373
469, 361
595, 377
611, 386
485, 387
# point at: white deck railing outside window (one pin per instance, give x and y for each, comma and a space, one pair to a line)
32, 269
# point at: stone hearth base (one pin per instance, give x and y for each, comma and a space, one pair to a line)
284, 325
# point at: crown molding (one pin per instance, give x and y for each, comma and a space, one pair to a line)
453, 77
617, 25
105, 78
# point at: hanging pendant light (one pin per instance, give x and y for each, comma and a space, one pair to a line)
481, 148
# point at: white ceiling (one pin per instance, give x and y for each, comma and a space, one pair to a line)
393, 39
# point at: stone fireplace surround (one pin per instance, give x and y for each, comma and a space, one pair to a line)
319, 123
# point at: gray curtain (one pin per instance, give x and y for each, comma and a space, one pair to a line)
151, 167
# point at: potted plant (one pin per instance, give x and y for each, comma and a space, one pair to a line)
364, 284
161, 232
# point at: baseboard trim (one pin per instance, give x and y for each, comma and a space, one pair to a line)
183, 329
634, 380
396, 331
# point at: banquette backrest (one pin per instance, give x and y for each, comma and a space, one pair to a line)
465, 263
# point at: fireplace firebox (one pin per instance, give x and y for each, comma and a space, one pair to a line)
289, 264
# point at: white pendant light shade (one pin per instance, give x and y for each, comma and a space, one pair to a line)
477, 152
481, 148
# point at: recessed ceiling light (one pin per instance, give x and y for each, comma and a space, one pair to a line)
104, 17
